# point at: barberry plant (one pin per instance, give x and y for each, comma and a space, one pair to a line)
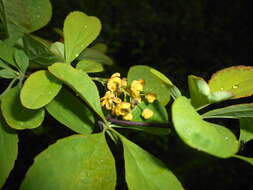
55, 77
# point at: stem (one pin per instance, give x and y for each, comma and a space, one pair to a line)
134, 123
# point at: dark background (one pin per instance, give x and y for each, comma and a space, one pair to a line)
179, 38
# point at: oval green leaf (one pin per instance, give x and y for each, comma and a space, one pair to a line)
78, 162
17, 116
144, 171
237, 79
8, 150
233, 112
70, 111
79, 31
80, 82
39, 89
22, 61
8, 73
204, 136
246, 129
90, 66
152, 83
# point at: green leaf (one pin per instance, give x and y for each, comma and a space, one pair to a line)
7, 73
144, 171
152, 83
71, 112
3, 65
201, 95
204, 136
233, 112
22, 61
246, 129
39, 52
89, 66
8, 150
39, 89
95, 55
79, 31
58, 49
102, 47
25, 16
80, 82
7, 53
244, 158
17, 116
237, 80
199, 91
78, 162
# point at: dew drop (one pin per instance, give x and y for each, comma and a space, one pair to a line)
235, 86
85, 26
226, 138
76, 55
221, 88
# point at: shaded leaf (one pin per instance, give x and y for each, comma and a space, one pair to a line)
87, 164
237, 80
17, 116
21, 17
58, 49
71, 112
152, 83
79, 31
233, 112
89, 66
22, 61
246, 129
95, 55
39, 89
7, 53
144, 171
204, 136
102, 47
39, 52
8, 73
8, 150
80, 82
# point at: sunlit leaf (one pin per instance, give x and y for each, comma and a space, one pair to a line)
17, 116
80, 82
90, 66
204, 136
78, 162
144, 171
233, 112
58, 49
71, 112
152, 83
237, 80
39, 89
246, 129
79, 31
8, 150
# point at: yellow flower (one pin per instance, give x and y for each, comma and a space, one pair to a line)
114, 84
147, 113
115, 75
128, 117
122, 108
109, 100
137, 85
150, 97
124, 82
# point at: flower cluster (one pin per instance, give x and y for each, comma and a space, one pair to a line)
121, 97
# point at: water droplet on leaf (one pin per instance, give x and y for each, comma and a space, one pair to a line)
235, 86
